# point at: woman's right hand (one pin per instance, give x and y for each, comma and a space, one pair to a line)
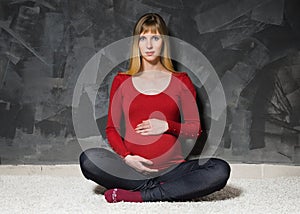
138, 163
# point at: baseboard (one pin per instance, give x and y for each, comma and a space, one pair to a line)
263, 170
255, 171
52, 170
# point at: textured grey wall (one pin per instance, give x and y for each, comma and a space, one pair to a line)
252, 44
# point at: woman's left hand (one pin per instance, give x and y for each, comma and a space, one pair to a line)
152, 127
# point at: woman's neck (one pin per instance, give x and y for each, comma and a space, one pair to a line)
152, 66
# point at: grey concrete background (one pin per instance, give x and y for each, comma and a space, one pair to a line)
252, 44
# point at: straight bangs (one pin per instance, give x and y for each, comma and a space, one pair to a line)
151, 27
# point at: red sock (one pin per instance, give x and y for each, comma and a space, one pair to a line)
117, 195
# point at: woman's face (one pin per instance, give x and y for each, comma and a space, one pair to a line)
150, 45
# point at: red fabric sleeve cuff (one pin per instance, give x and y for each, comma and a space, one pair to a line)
173, 127
124, 155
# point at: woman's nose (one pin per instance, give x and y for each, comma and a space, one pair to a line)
149, 44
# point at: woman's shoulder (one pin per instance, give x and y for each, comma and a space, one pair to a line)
184, 78
181, 75
119, 78
121, 75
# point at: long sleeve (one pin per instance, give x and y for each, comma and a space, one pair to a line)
114, 118
190, 127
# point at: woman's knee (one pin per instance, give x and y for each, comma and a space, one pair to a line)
85, 164
87, 159
222, 169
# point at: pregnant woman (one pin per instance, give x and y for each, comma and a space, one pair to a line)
158, 108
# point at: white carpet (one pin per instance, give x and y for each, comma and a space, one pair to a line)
46, 194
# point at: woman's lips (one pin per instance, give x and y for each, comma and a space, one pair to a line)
150, 53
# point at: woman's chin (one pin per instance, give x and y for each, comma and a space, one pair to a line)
151, 59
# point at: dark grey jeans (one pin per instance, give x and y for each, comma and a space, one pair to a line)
186, 181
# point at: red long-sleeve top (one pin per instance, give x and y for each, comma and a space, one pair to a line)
176, 105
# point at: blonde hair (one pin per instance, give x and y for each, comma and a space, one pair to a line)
154, 23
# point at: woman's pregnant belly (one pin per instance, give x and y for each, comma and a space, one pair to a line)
163, 150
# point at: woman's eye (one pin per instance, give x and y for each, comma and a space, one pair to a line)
142, 38
156, 38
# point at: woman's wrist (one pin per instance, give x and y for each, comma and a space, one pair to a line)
125, 155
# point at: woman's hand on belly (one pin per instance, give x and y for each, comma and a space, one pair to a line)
139, 164
152, 127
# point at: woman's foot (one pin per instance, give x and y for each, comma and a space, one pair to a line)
117, 195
